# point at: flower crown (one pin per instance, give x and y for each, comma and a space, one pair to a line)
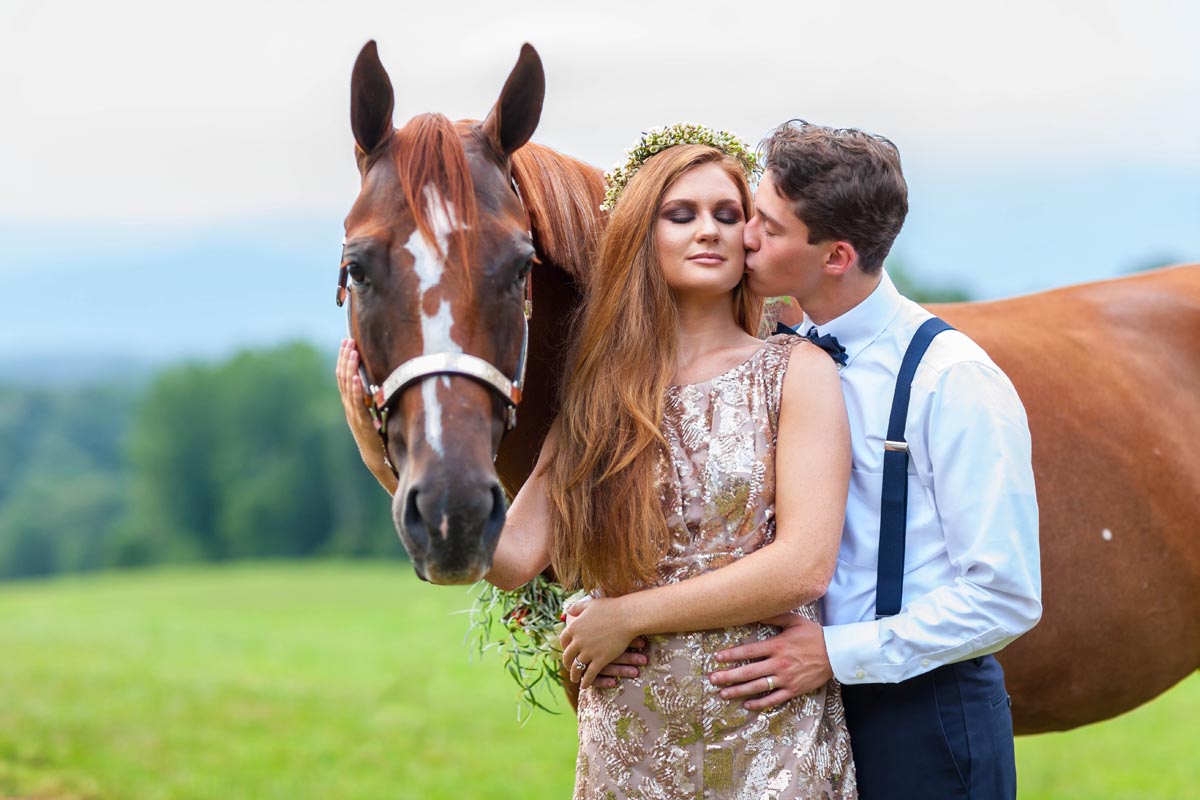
656, 140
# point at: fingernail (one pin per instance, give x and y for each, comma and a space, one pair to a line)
725, 693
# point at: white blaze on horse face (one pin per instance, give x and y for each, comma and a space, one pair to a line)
435, 328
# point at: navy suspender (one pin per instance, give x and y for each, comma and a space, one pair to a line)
893, 511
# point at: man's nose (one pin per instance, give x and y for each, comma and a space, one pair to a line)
750, 235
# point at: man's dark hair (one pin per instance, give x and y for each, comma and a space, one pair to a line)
843, 183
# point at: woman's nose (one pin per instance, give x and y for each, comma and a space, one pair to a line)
708, 231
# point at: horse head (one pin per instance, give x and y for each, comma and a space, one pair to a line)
436, 265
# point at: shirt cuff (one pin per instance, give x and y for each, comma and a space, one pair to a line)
853, 648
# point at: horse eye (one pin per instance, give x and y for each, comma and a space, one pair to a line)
525, 267
357, 274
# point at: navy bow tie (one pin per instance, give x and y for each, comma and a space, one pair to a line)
828, 342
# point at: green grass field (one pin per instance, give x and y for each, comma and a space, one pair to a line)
352, 681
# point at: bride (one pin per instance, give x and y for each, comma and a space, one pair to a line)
694, 482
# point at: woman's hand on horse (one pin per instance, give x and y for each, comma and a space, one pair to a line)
596, 636
795, 659
353, 398
354, 403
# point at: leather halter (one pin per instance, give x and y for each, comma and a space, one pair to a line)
380, 397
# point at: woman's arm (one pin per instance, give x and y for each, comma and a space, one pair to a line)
524, 546
812, 469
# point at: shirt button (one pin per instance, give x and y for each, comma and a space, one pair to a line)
860, 674
924, 662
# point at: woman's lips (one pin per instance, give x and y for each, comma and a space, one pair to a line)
708, 259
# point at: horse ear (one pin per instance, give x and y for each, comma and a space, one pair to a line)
371, 100
515, 116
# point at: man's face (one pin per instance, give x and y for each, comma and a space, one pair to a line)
779, 259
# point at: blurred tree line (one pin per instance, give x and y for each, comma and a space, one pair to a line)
246, 458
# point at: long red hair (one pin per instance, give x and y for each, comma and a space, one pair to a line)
607, 522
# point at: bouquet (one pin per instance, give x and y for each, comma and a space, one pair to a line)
524, 627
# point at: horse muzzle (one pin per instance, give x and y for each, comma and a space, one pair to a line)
450, 526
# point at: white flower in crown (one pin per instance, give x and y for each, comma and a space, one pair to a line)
656, 140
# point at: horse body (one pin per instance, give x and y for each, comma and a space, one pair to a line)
1109, 374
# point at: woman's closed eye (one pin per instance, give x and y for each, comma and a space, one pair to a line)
726, 217
680, 217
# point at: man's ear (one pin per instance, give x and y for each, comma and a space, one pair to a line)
842, 258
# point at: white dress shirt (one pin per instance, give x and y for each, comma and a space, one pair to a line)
972, 572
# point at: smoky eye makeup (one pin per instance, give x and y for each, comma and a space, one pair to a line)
728, 212
678, 211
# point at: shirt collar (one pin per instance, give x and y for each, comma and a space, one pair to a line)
862, 324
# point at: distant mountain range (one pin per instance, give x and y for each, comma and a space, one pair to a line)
63, 369
139, 298
86, 300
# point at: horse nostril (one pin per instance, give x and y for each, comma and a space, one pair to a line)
495, 519
414, 523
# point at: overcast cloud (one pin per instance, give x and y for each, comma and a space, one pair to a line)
156, 111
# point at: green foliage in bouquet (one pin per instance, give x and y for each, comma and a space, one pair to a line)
523, 626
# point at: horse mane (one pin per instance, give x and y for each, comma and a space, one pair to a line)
428, 153
563, 196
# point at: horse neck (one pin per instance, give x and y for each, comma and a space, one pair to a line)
562, 196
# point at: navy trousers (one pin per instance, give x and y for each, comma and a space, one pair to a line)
945, 734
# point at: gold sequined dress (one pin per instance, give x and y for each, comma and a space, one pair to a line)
668, 735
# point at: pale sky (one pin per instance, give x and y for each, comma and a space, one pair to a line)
153, 112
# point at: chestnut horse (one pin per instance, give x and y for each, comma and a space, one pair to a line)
453, 221
1109, 373
439, 258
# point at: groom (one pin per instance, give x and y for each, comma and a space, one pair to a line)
910, 633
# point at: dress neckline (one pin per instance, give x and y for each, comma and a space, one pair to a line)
730, 371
